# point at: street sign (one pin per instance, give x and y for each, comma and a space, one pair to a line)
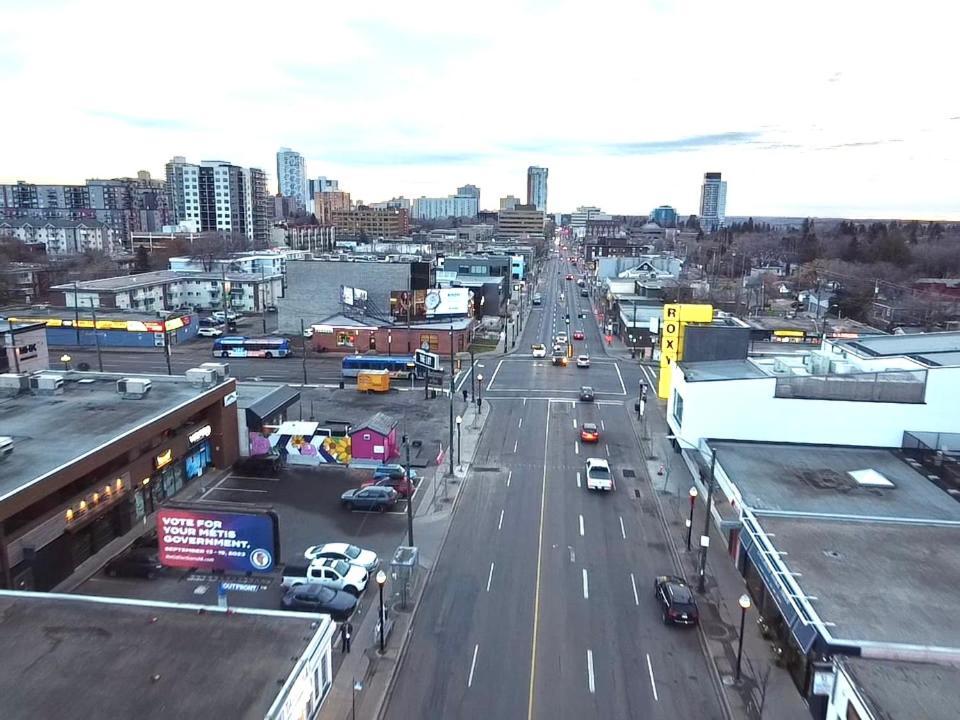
427, 360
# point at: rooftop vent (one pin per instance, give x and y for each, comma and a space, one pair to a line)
201, 376
133, 388
46, 384
222, 369
870, 478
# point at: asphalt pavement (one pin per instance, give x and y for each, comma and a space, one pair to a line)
541, 603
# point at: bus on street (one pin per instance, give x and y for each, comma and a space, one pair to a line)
239, 347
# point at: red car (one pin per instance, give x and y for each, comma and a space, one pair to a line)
578, 334
589, 433
400, 483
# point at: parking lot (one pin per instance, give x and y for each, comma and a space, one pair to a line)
512, 375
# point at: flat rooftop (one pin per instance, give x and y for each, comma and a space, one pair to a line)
721, 370
926, 344
158, 277
896, 690
41, 313
814, 480
72, 657
876, 582
50, 431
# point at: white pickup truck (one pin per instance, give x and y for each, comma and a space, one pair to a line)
598, 473
336, 574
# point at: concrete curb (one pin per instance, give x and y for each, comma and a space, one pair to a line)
405, 641
678, 566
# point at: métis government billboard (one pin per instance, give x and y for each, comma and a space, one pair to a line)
237, 542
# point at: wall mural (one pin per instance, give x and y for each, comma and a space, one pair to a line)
312, 449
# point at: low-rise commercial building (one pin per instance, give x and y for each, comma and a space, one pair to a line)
521, 221
64, 328
243, 663
96, 453
343, 334
24, 347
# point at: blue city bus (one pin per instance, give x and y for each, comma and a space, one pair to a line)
251, 347
399, 366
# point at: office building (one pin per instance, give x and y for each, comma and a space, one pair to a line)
328, 202
713, 201
366, 223
664, 216
292, 176
522, 221
455, 206
397, 203
537, 187
321, 184
509, 202
216, 196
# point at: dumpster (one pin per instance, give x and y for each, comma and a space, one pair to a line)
375, 380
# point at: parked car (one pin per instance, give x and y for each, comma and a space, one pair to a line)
369, 498
271, 308
314, 597
6, 445
404, 486
578, 334
677, 603
367, 559
583, 361
138, 562
585, 293
538, 350
210, 322
336, 574
209, 332
589, 432
586, 393
598, 474
537, 299
393, 470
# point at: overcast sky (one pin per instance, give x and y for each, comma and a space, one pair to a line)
828, 108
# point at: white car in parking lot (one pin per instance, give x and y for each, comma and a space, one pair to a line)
367, 559
336, 574
209, 332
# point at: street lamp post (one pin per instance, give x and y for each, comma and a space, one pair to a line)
693, 500
479, 391
459, 438
744, 606
65, 359
389, 343
705, 538
381, 580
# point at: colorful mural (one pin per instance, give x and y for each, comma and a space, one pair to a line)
311, 445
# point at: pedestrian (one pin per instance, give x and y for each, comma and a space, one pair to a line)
346, 630
465, 394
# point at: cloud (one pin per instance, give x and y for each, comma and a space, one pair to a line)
862, 143
140, 122
682, 144
369, 156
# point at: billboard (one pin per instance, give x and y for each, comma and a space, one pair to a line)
356, 297
447, 301
217, 540
403, 300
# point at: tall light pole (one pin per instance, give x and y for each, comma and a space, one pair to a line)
705, 538
459, 440
479, 391
381, 580
693, 501
744, 603
406, 446
450, 444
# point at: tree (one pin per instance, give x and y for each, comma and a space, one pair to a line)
142, 261
693, 222
852, 251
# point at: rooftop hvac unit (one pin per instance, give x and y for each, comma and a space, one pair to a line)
47, 384
202, 376
780, 367
838, 367
133, 387
222, 369
13, 383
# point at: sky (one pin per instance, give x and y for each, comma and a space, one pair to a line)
820, 108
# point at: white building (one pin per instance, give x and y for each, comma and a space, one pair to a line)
268, 263
866, 392
425, 208
292, 176
713, 201
537, 187
62, 237
583, 215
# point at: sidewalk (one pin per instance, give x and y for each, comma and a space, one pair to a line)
763, 684
364, 666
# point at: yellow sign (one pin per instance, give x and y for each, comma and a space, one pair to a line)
789, 333
164, 458
675, 319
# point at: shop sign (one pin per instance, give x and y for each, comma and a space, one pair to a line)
164, 458
199, 435
214, 540
230, 398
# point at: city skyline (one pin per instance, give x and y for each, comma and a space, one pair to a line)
850, 130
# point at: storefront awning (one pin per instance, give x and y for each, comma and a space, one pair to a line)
270, 406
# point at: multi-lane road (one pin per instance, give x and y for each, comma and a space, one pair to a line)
541, 604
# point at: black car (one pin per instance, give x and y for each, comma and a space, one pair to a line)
317, 598
676, 600
586, 393
143, 562
372, 497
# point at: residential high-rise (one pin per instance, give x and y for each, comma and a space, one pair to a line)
713, 201
469, 191
537, 187
456, 206
321, 184
509, 202
292, 176
216, 196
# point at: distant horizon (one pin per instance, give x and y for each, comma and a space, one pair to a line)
823, 121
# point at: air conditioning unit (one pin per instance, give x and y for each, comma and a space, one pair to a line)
46, 384
202, 376
133, 387
222, 369
838, 367
13, 384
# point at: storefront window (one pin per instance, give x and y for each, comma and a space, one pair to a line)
433, 341
346, 339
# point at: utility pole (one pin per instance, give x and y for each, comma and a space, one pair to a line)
303, 345
96, 337
450, 445
473, 388
705, 539
263, 306
76, 312
406, 444
166, 346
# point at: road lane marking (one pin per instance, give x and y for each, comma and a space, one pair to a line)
494, 377
603, 426
590, 683
606, 449
500, 524
473, 664
509, 475
581, 526
536, 594
520, 424
653, 683
574, 423
576, 448
623, 533
622, 386
490, 577
586, 586
633, 582
578, 479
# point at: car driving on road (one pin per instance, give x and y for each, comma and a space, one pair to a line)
578, 334
538, 350
589, 433
583, 361
586, 393
367, 559
598, 474
677, 603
